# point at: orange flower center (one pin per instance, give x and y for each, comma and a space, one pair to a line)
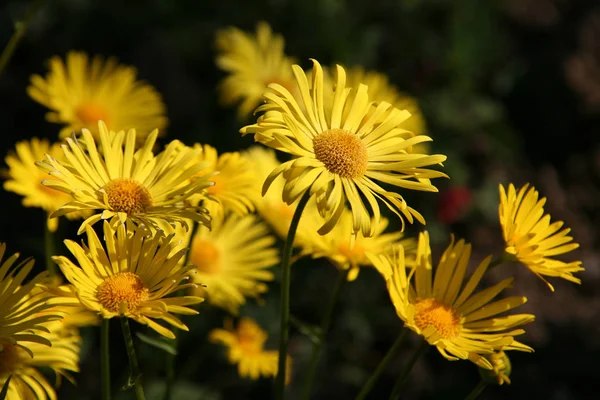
10, 359
123, 292
250, 337
354, 254
342, 153
217, 187
443, 318
206, 256
128, 196
90, 113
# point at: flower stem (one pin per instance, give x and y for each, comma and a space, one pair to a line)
386, 360
495, 263
312, 369
105, 358
49, 248
134, 376
399, 386
477, 390
285, 296
20, 29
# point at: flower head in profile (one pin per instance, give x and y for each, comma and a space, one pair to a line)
124, 184
24, 309
25, 179
444, 308
501, 369
245, 347
530, 237
233, 260
348, 252
27, 371
270, 205
234, 181
81, 92
252, 63
344, 150
132, 277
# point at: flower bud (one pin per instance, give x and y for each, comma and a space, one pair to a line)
500, 371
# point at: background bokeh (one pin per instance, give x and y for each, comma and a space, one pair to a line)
510, 90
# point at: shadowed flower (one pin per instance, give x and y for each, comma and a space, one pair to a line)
132, 277
342, 148
530, 237
348, 252
24, 309
81, 93
444, 309
28, 382
380, 89
234, 180
123, 184
233, 260
271, 207
246, 349
252, 62
25, 178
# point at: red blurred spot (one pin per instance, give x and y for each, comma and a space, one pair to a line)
453, 204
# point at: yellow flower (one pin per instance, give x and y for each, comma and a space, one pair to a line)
80, 93
132, 277
246, 349
24, 309
342, 150
233, 260
380, 89
530, 237
234, 182
123, 184
271, 207
28, 382
252, 63
444, 310
349, 252
25, 178
75, 314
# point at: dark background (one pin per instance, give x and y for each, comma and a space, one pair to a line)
511, 93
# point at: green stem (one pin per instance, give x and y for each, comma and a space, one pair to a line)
135, 375
496, 262
285, 297
20, 29
477, 390
105, 358
49, 249
386, 360
399, 386
312, 369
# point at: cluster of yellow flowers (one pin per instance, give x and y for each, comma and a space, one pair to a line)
351, 136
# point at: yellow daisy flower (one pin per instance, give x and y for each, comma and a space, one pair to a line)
81, 93
271, 207
24, 309
122, 183
28, 381
234, 184
342, 149
348, 252
25, 178
132, 277
530, 237
233, 260
380, 89
246, 349
444, 310
252, 63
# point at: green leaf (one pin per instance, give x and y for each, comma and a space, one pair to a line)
160, 343
4, 391
313, 332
